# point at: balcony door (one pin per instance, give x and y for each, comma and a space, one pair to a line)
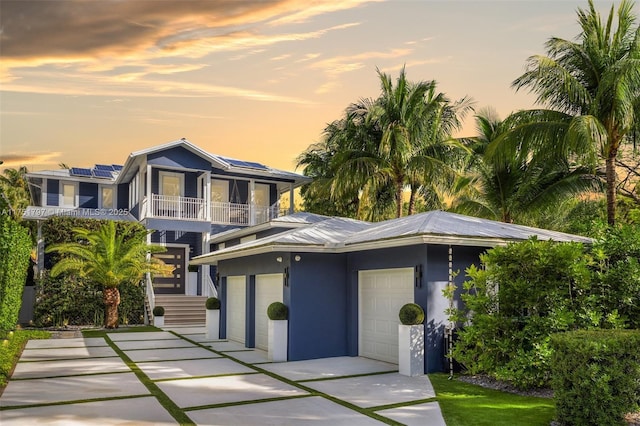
261, 199
219, 201
171, 190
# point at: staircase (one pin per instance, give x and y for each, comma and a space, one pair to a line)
181, 309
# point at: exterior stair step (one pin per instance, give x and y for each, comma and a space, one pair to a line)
182, 310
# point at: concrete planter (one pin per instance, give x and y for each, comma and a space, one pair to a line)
411, 350
158, 320
213, 324
192, 284
278, 338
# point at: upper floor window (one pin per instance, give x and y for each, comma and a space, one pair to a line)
133, 192
171, 184
68, 194
219, 191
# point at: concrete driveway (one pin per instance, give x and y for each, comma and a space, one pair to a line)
143, 377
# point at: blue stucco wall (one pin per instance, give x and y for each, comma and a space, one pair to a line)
179, 157
317, 300
88, 195
53, 192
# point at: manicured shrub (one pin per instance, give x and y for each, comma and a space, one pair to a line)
596, 376
15, 248
158, 311
212, 303
277, 311
411, 314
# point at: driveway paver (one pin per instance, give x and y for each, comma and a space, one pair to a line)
67, 353
416, 415
70, 367
190, 368
170, 354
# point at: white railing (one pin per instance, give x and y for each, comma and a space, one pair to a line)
175, 207
151, 296
211, 289
230, 213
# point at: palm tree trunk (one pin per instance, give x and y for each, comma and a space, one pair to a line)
399, 188
412, 200
611, 187
111, 302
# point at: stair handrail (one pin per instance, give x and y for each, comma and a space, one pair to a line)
150, 294
210, 286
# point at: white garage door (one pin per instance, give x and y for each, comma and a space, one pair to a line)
381, 294
236, 308
269, 289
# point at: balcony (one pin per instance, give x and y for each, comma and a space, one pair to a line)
196, 209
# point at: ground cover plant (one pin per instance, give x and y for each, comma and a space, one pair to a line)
464, 404
11, 348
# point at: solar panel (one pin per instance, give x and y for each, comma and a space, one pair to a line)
106, 167
77, 171
116, 167
104, 174
247, 164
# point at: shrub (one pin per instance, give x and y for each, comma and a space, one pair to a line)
596, 376
212, 303
411, 314
15, 247
158, 311
277, 311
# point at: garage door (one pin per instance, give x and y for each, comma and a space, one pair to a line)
236, 308
269, 289
381, 294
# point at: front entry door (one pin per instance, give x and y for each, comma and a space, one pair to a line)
175, 284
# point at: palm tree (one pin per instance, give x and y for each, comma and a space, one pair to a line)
109, 259
511, 188
592, 87
14, 190
397, 141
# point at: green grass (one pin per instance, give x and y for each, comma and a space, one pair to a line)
102, 332
11, 348
464, 404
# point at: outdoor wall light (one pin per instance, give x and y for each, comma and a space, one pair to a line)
279, 259
297, 258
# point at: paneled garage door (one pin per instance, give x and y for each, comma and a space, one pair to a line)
269, 289
236, 308
381, 294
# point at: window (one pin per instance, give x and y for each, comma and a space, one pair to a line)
133, 192
68, 194
171, 184
219, 191
262, 195
106, 197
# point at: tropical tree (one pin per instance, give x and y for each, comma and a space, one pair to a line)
518, 186
399, 141
592, 90
14, 191
108, 259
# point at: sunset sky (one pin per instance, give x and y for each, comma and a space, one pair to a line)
84, 81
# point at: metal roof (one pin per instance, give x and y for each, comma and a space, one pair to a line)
439, 223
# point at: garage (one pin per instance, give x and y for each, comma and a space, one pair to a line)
269, 289
381, 294
236, 308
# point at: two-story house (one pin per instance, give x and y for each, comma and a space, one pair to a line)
185, 195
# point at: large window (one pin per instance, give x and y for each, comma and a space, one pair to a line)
68, 194
107, 199
171, 184
219, 191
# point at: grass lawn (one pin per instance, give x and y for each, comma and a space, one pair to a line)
464, 404
11, 348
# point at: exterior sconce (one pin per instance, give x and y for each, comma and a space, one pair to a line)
297, 258
279, 259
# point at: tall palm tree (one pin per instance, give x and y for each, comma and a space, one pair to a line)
14, 190
592, 87
509, 189
396, 141
109, 259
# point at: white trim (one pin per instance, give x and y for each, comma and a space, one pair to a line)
76, 195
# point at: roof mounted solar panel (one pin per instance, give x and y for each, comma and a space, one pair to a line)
116, 167
107, 167
102, 174
78, 171
246, 164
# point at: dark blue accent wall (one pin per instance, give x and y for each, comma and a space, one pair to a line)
317, 300
123, 196
222, 295
179, 157
193, 239
190, 182
88, 195
53, 192
250, 323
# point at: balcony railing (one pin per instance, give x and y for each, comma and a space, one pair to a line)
188, 208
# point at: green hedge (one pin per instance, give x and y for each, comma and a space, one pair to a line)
411, 314
596, 376
15, 249
277, 311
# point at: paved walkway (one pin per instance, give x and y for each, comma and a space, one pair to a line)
135, 378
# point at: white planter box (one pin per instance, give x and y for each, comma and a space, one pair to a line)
213, 324
411, 350
278, 338
192, 284
158, 320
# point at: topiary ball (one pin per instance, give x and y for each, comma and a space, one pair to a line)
277, 311
411, 314
212, 303
158, 311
